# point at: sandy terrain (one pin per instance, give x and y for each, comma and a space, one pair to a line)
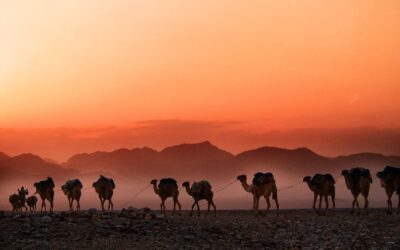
144, 229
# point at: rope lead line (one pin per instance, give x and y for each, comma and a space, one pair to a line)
135, 195
225, 187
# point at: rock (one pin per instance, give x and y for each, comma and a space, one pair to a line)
92, 210
148, 217
46, 219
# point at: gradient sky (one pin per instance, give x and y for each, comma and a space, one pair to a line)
277, 65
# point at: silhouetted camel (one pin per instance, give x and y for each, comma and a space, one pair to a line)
322, 186
200, 191
167, 187
31, 201
18, 200
390, 181
72, 189
45, 189
358, 180
105, 188
263, 185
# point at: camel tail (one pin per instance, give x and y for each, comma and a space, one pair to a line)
370, 179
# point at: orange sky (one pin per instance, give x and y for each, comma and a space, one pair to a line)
274, 64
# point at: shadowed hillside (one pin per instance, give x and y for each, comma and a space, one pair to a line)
132, 169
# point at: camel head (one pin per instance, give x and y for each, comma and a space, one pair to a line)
153, 182
345, 172
307, 179
186, 184
242, 178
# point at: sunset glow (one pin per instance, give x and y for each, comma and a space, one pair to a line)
265, 65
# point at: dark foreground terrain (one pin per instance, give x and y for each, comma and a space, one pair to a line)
144, 229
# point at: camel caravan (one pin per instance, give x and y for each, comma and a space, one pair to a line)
357, 180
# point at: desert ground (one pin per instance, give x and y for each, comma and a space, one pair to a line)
231, 229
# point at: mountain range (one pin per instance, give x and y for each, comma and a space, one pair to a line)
200, 160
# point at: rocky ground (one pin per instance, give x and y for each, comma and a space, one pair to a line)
144, 229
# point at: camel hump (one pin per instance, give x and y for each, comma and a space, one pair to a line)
201, 188
72, 183
388, 173
329, 177
355, 174
319, 179
168, 182
262, 178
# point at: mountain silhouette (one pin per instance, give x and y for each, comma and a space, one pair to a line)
3, 156
195, 160
24, 165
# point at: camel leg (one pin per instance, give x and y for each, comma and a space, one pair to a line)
78, 205
353, 205
254, 205
72, 205
191, 211
366, 204
389, 202
327, 205
320, 204
315, 201
179, 206
257, 203
102, 202
198, 208
208, 207
398, 206
110, 205
268, 204
43, 206
358, 206
161, 207
173, 211
215, 208
277, 206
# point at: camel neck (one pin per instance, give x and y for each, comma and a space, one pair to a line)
310, 186
156, 190
188, 190
245, 186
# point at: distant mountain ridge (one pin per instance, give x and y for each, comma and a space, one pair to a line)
196, 159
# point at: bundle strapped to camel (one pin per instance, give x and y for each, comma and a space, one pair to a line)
42, 185
319, 179
262, 178
166, 182
70, 184
104, 180
356, 173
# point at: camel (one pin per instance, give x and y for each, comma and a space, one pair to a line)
72, 189
45, 189
167, 187
322, 186
390, 181
200, 191
105, 188
18, 200
358, 181
265, 188
31, 201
